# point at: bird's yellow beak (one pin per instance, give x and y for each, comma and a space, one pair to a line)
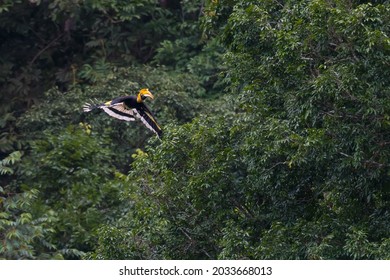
148, 94
143, 93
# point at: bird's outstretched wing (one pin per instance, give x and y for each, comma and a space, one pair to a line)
116, 110
120, 112
147, 118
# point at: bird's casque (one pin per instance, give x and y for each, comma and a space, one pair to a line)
129, 108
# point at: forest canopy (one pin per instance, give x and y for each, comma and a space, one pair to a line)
275, 118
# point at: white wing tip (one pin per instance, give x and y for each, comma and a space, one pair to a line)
88, 107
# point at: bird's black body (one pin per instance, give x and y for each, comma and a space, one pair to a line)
130, 101
128, 108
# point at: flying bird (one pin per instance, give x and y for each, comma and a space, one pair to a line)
129, 108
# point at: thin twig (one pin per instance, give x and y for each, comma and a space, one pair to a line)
45, 48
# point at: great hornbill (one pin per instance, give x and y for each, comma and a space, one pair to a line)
128, 108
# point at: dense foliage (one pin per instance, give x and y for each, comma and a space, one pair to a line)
276, 130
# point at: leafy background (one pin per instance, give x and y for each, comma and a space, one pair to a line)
276, 130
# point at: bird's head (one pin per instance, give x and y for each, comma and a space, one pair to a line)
143, 94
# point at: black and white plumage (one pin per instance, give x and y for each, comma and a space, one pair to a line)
129, 108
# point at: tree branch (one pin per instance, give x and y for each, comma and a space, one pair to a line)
45, 48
